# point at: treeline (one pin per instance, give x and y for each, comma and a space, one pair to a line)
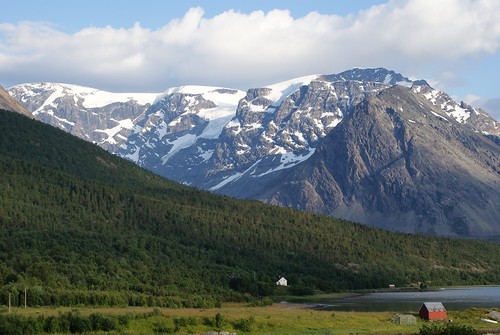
81, 226
75, 323
64, 323
46, 296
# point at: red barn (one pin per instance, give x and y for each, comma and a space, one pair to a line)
432, 311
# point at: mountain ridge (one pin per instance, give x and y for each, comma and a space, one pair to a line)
233, 142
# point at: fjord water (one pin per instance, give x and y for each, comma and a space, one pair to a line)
454, 299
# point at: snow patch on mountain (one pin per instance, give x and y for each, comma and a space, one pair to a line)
112, 132
448, 105
283, 89
439, 116
228, 179
179, 144
205, 155
57, 93
289, 160
51, 113
91, 97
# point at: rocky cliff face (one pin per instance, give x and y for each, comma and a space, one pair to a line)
399, 162
281, 143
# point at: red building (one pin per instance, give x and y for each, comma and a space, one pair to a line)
432, 311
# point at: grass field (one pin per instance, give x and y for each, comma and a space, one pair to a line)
276, 319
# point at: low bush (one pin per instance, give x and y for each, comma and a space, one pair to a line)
448, 329
244, 324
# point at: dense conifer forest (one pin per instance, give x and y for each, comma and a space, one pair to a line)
81, 226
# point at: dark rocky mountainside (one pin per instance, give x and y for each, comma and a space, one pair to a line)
7, 102
399, 163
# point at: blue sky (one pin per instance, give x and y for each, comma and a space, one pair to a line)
71, 16
140, 46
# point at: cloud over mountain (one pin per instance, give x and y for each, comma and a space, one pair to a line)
250, 49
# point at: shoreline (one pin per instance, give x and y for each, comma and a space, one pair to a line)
456, 298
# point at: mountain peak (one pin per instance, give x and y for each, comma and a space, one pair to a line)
379, 75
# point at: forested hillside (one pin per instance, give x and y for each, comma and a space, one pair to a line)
81, 226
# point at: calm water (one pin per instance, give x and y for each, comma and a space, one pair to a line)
453, 299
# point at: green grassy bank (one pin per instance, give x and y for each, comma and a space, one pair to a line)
237, 318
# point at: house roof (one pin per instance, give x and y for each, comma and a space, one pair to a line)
434, 306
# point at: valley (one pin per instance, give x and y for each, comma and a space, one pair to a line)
137, 252
250, 167
84, 226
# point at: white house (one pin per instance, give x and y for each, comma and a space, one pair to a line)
282, 282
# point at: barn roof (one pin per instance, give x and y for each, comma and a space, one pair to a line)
434, 306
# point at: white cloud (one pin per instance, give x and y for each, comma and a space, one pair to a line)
473, 99
248, 49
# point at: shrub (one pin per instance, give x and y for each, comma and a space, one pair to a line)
79, 324
184, 322
448, 329
55, 324
244, 325
100, 322
219, 321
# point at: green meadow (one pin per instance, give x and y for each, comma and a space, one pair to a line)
239, 318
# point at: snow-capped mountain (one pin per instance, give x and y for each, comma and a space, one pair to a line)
182, 126
104, 118
261, 131
230, 141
